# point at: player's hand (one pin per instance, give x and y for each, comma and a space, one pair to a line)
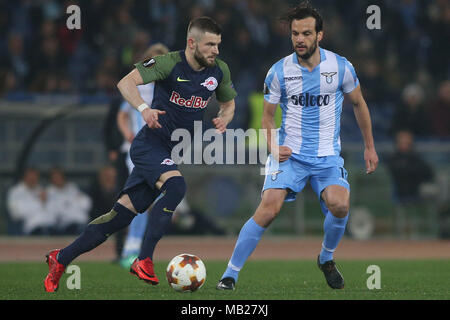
371, 159
151, 117
220, 124
281, 153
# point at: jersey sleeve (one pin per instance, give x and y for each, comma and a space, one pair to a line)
272, 91
350, 81
157, 68
225, 90
126, 107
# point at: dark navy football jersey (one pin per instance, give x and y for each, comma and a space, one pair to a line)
182, 92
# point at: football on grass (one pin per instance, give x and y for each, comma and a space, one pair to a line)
186, 273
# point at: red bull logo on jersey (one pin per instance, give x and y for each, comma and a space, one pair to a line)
193, 102
168, 162
210, 83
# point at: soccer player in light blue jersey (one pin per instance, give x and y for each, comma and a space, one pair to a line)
309, 85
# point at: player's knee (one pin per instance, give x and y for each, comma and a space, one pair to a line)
267, 212
126, 202
339, 208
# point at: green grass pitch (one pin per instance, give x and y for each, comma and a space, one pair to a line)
259, 280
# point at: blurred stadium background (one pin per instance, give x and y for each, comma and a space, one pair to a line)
58, 100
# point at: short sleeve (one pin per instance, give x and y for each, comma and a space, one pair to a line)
157, 68
225, 90
272, 91
350, 81
125, 107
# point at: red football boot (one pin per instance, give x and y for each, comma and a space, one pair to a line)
55, 271
143, 269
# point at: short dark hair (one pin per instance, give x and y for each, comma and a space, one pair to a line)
205, 24
302, 11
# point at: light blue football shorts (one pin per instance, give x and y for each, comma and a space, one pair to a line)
294, 173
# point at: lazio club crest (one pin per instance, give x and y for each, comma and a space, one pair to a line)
328, 76
275, 174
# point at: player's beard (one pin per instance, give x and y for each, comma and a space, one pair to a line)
201, 60
309, 52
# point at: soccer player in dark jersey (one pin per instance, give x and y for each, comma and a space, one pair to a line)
184, 82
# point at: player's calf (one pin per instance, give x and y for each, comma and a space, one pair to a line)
160, 217
97, 232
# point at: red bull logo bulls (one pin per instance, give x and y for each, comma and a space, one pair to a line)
193, 102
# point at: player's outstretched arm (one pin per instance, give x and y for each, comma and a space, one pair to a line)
280, 153
128, 88
224, 116
362, 115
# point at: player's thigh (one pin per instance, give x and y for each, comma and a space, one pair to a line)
271, 203
126, 202
288, 175
337, 200
166, 176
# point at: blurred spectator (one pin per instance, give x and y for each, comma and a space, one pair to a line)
440, 111
39, 54
103, 192
8, 82
48, 56
407, 169
17, 59
67, 204
411, 114
438, 29
133, 52
69, 39
409, 173
281, 36
27, 204
164, 17
372, 80
255, 19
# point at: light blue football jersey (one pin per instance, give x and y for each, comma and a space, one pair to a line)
311, 102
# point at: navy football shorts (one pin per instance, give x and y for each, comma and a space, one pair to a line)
151, 157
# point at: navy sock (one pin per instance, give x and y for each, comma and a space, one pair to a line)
97, 232
160, 217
